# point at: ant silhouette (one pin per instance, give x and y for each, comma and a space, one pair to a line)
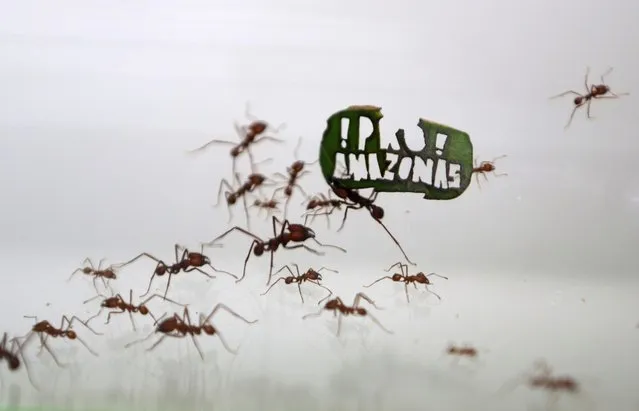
117, 302
593, 92
103, 274
337, 306
44, 329
180, 327
294, 172
355, 201
250, 135
486, 167
289, 233
252, 182
319, 202
11, 351
311, 276
189, 261
419, 278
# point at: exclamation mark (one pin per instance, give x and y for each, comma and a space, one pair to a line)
440, 142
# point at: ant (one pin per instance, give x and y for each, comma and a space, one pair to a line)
294, 172
250, 135
311, 276
189, 261
405, 278
103, 274
14, 356
337, 306
117, 302
594, 91
180, 327
486, 167
355, 201
252, 182
542, 378
289, 233
318, 202
270, 206
44, 329
465, 351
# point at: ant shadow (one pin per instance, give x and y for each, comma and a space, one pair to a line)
267, 393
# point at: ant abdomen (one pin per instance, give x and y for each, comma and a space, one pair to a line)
288, 191
87, 270
578, 100
377, 212
14, 363
258, 250
288, 280
143, 310
71, 335
396, 277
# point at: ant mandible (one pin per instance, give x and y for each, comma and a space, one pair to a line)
117, 302
486, 167
103, 274
289, 233
176, 326
189, 261
250, 135
44, 329
337, 306
593, 92
14, 356
311, 276
419, 278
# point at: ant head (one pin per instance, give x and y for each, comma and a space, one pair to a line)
257, 203
333, 304
377, 212
110, 274
360, 311
256, 179
205, 259
288, 280
313, 275
143, 310
487, 166
600, 89
87, 270
297, 166
208, 329
258, 250
14, 363
288, 191
397, 277
71, 335
257, 127
110, 302
421, 278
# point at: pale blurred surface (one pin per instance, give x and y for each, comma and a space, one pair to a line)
101, 100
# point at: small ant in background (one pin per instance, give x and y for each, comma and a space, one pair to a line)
250, 135
459, 352
44, 329
117, 302
103, 274
11, 352
486, 167
318, 202
311, 276
252, 182
593, 92
294, 172
337, 306
404, 277
542, 378
289, 233
180, 327
270, 206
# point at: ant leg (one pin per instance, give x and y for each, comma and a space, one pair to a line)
248, 255
566, 93
230, 311
588, 110
326, 288
432, 292
307, 248
225, 344
148, 290
437, 275
406, 292
339, 324
299, 290
362, 296
210, 143
220, 271
317, 314
168, 284
69, 321
45, 346
397, 264
141, 340
605, 74
134, 259
87, 346
223, 184
376, 281
188, 270
96, 315
349, 207
154, 344
574, 110
272, 285
328, 269
376, 321
327, 245
115, 313
158, 295
93, 298
236, 228
17, 348
586, 79
394, 240
246, 213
